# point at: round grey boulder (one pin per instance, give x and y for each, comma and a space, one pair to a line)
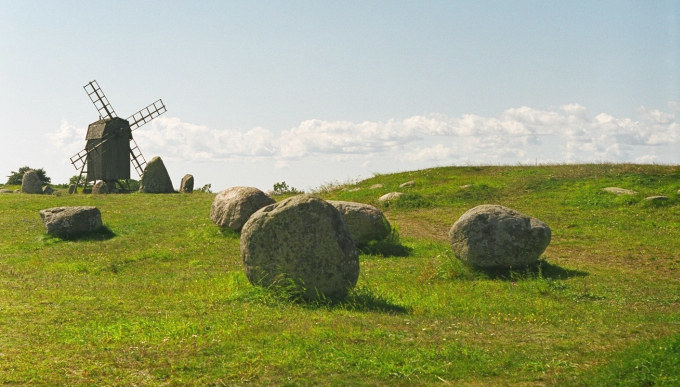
493, 236
31, 183
155, 178
301, 242
364, 222
232, 207
71, 221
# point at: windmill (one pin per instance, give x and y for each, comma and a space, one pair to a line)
110, 148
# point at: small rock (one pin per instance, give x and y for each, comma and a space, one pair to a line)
155, 178
301, 241
355, 189
466, 186
658, 198
71, 221
31, 183
376, 186
187, 184
364, 222
47, 190
410, 183
232, 207
619, 191
495, 236
6, 191
390, 196
100, 188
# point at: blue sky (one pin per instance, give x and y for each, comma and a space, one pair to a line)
315, 92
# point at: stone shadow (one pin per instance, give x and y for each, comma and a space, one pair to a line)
385, 248
101, 234
359, 300
541, 269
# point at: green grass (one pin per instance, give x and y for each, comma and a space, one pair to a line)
160, 297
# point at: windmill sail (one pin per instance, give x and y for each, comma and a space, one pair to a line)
147, 114
99, 100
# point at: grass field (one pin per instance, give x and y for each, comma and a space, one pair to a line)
161, 298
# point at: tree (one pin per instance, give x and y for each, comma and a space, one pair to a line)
15, 178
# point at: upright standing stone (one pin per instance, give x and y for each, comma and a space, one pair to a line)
187, 184
155, 178
100, 187
72, 188
300, 243
31, 183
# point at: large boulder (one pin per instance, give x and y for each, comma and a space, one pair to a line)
31, 183
71, 221
232, 207
489, 236
364, 222
300, 243
155, 178
187, 184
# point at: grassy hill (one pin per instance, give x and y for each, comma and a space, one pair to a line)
160, 297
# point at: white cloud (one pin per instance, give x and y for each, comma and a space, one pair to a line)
434, 153
68, 136
568, 133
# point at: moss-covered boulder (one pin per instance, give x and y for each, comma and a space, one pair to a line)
155, 178
302, 244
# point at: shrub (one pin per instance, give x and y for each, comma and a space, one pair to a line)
15, 177
283, 188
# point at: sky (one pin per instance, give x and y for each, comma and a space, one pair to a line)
318, 92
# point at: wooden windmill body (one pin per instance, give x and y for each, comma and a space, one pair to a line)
110, 148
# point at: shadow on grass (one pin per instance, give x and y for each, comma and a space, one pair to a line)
102, 234
388, 247
363, 299
385, 248
542, 269
360, 299
229, 233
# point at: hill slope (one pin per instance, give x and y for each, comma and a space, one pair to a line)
161, 297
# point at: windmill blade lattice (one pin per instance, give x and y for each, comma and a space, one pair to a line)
136, 157
99, 100
79, 159
147, 114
